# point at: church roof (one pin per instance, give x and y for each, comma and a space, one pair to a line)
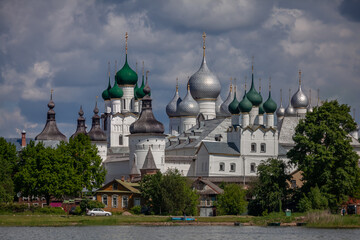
222, 148
51, 131
208, 130
149, 161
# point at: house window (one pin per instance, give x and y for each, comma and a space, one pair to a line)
121, 140
263, 147
253, 147
293, 183
115, 201
105, 200
124, 104
125, 202
222, 166
115, 186
252, 167
136, 201
232, 167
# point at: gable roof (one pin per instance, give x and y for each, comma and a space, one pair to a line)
131, 187
220, 148
214, 187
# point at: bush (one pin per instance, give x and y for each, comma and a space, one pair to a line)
13, 207
90, 204
232, 201
314, 200
50, 210
136, 210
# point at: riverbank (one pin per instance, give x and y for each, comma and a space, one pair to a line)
319, 219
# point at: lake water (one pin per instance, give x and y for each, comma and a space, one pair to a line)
175, 232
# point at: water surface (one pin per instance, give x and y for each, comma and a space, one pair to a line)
175, 232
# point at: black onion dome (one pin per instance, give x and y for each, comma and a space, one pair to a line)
81, 128
51, 131
147, 122
96, 133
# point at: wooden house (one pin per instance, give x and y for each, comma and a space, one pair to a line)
119, 195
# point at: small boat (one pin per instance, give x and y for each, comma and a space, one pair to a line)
183, 219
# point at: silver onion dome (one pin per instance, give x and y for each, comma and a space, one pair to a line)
204, 84
281, 111
188, 106
171, 108
218, 104
225, 106
299, 100
290, 111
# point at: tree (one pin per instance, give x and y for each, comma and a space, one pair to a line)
323, 152
271, 190
8, 161
64, 171
232, 201
314, 200
169, 193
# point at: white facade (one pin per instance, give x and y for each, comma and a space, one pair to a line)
139, 147
207, 108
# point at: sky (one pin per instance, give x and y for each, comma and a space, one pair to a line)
66, 46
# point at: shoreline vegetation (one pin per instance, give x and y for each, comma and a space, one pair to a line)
312, 219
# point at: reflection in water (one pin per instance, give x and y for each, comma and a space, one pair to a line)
177, 232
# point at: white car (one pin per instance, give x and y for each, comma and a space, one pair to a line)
98, 212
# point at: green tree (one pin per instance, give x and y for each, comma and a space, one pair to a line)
232, 201
323, 152
8, 161
64, 171
314, 200
270, 192
169, 193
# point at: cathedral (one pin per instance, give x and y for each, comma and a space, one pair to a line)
207, 137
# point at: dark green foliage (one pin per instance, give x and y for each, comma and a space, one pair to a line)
232, 201
8, 161
87, 204
169, 193
313, 200
13, 207
271, 190
324, 154
50, 210
64, 171
136, 210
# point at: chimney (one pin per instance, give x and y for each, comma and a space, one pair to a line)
23, 138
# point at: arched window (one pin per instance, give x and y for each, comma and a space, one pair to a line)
105, 199
124, 104
252, 167
121, 140
222, 166
263, 147
232, 167
253, 147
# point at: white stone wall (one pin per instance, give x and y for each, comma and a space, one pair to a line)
207, 108
187, 123
126, 99
174, 126
185, 168
102, 149
253, 116
116, 105
139, 147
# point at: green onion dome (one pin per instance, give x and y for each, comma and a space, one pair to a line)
253, 96
116, 91
135, 90
126, 76
140, 91
261, 109
234, 106
245, 105
105, 94
270, 105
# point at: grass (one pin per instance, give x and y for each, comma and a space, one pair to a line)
314, 219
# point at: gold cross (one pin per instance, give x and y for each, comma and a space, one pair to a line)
299, 77
204, 37
51, 91
269, 83
252, 64
177, 84
126, 38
